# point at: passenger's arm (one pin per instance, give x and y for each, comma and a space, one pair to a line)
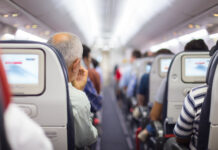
94, 98
184, 126
143, 90
23, 133
140, 99
156, 111
85, 133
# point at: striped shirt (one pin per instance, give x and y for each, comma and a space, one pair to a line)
188, 122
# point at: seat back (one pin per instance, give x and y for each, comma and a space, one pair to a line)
143, 66
188, 70
42, 93
208, 125
214, 104
158, 73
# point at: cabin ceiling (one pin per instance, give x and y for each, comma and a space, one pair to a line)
65, 15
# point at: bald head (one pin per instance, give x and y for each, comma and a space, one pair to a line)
68, 44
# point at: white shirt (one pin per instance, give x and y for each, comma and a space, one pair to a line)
22, 132
85, 133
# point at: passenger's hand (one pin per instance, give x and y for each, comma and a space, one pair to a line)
81, 79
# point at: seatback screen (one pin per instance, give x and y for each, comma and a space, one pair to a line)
25, 69
164, 64
21, 68
196, 67
148, 67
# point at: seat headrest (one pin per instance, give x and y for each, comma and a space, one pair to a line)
213, 49
211, 64
4, 86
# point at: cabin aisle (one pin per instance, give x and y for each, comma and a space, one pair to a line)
114, 131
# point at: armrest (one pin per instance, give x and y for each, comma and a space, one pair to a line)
158, 129
172, 144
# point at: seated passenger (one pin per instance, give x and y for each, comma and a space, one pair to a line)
126, 77
98, 69
155, 114
142, 95
22, 132
94, 98
71, 48
186, 128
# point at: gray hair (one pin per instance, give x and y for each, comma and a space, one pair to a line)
70, 47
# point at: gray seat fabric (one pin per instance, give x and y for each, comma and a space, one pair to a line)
55, 97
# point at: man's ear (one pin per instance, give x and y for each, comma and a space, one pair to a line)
76, 63
73, 65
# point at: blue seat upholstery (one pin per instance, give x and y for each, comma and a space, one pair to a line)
204, 124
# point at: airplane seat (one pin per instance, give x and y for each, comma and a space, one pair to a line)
4, 102
187, 70
182, 77
39, 83
158, 73
208, 125
140, 67
145, 66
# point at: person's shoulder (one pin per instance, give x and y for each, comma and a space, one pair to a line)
197, 94
145, 77
200, 90
74, 92
77, 96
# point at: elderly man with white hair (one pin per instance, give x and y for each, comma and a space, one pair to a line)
71, 48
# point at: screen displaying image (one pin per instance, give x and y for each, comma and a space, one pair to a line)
148, 68
21, 68
164, 65
196, 67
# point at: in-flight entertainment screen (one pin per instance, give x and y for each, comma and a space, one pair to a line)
21, 68
195, 68
164, 65
25, 70
148, 67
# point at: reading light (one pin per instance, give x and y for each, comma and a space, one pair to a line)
190, 26
34, 26
197, 26
47, 32
5, 15
215, 14
27, 26
14, 15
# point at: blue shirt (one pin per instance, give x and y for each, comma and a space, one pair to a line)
131, 86
144, 86
124, 81
93, 96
